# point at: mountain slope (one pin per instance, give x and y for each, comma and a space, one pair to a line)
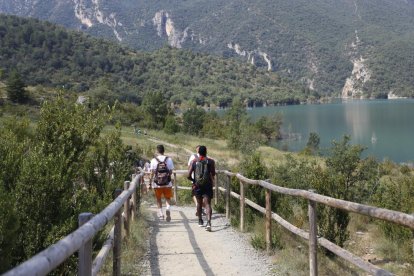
345, 47
46, 54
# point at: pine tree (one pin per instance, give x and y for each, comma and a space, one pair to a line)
15, 89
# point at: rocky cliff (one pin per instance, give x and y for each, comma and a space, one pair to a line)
333, 47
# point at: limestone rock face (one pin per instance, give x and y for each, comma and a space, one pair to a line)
360, 74
251, 56
89, 13
354, 84
165, 27
313, 42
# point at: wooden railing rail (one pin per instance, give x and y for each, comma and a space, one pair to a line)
313, 198
123, 210
50, 258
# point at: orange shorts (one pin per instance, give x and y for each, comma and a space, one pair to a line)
166, 191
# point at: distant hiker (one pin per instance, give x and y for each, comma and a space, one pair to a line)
190, 161
161, 169
146, 184
204, 171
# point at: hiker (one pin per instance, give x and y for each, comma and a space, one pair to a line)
204, 171
190, 160
146, 178
160, 180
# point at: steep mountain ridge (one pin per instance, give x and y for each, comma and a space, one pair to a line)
49, 55
341, 47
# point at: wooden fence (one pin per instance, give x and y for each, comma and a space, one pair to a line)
89, 225
123, 209
312, 235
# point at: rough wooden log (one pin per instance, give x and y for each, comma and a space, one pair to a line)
126, 210
175, 189
215, 190
85, 252
313, 243
116, 264
242, 206
48, 259
228, 191
268, 217
133, 201
103, 253
380, 213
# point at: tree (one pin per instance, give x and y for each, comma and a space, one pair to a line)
171, 125
155, 107
213, 126
15, 89
346, 177
68, 163
270, 126
193, 120
235, 116
312, 145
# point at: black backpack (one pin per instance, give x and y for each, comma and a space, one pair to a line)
201, 173
162, 173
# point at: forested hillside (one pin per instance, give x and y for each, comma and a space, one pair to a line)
345, 47
48, 55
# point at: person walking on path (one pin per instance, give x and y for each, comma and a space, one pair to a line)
201, 173
190, 161
160, 180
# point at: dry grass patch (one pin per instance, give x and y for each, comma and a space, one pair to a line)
134, 249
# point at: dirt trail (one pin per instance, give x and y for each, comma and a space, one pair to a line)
181, 247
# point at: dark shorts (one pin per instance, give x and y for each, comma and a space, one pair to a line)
203, 192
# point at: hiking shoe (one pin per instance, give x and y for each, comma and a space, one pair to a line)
208, 226
200, 223
168, 219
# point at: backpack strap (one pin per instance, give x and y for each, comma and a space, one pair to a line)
159, 161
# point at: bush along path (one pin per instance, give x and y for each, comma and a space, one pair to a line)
181, 247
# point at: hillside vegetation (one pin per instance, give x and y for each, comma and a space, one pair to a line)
48, 55
316, 42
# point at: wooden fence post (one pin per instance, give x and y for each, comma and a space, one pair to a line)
242, 206
175, 189
85, 252
116, 266
268, 221
134, 198
216, 190
412, 231
313, 242
228, 189
126, 210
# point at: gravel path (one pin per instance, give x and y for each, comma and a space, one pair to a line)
181, 247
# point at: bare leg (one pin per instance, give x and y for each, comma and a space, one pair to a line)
196, 204
207, 205
168, 212
159, 205
199, 206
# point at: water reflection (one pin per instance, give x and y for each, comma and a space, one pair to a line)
357, 118
386, 128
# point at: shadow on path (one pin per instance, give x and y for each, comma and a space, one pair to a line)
200, 257
154, 262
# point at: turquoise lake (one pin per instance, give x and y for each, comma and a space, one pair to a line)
385, 127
